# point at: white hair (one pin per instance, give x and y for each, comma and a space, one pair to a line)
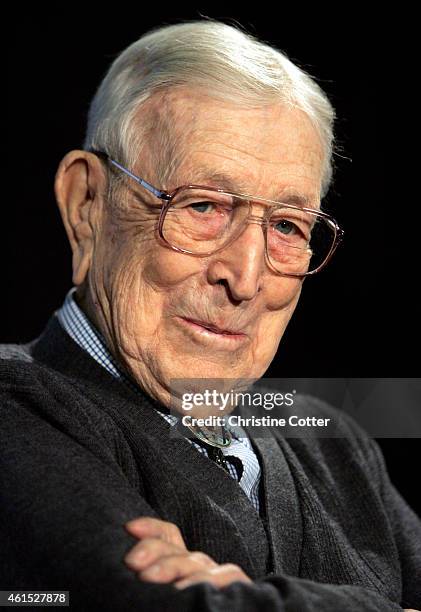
214, 57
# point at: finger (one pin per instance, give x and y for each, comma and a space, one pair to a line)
149, 527
148, 551
167, 569
219, 576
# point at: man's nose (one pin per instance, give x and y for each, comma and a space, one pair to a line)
241, 264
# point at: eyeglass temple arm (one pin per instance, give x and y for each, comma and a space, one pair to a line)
163, 195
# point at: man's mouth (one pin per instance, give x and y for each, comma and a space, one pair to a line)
214, 328
211, 328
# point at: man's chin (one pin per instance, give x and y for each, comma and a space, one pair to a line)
209, 369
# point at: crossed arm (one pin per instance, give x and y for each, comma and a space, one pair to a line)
161, 556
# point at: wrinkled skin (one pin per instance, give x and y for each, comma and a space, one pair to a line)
135, 290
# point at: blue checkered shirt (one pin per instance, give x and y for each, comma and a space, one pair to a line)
81, 330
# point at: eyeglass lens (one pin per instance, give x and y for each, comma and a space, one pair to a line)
202, 222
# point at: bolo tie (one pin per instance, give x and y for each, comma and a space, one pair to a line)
213, 441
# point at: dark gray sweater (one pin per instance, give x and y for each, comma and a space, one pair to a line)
81, 454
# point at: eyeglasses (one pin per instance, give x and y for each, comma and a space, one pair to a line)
201, 221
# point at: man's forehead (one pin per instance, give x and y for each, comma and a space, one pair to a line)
191, 149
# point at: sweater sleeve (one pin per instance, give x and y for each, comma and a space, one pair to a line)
62, 522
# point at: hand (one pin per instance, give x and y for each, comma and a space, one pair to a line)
162, 556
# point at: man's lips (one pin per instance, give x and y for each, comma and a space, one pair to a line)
214, 328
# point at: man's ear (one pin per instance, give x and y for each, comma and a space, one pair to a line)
79, 181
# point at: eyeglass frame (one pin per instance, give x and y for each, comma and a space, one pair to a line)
168, 197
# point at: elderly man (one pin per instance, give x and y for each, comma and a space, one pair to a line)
193, 215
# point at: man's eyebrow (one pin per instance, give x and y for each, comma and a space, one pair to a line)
206, 177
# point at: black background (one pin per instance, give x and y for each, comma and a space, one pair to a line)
359, 316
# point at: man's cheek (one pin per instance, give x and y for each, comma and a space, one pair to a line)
166, 268
283, 294
139, 321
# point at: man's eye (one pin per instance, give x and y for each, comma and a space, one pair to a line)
285, 227
203, 207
